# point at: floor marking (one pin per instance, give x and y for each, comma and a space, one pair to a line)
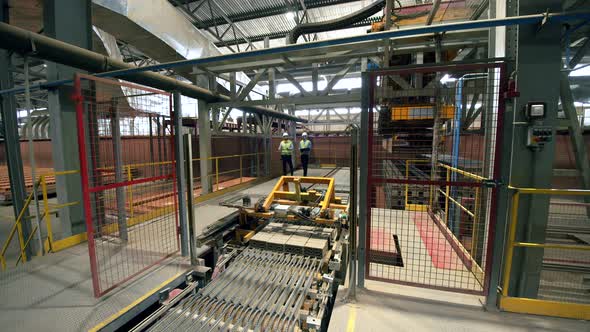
351, 319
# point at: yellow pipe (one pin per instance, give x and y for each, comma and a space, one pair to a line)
569, 192
457, 203
510, 244
46, 214
18, 224
60, 206
475, 227
61, 173
27, 243
464, 173
552, 246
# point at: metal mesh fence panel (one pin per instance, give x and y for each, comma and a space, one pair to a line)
565, 273
128, 178
432, 165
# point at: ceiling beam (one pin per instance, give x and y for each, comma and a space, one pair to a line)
274, 9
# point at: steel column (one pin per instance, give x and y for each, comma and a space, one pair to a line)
180, 175
364, 209
11, 137
190, 190
538, 50
119, 177
70, 22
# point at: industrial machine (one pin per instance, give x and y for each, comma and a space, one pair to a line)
277, 264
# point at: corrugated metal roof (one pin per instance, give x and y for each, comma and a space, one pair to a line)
282, 23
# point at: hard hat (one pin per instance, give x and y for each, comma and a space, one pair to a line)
304, 134
285, 135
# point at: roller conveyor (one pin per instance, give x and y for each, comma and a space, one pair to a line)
260, 291
278, 269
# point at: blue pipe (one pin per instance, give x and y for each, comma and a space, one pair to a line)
430, 29
454, 224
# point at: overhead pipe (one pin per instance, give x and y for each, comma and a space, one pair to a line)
334, 24
8, 33
26, 42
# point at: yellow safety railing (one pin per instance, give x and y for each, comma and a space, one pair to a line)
473, 214
45, 216
217, 173
537, 306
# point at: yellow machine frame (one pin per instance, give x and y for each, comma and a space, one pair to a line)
281, 194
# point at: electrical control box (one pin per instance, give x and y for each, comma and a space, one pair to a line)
536, 110
538, 136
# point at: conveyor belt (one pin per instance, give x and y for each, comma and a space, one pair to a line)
260, 291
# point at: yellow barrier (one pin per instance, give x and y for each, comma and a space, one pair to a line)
45, 216
536, 306
474, 215
217, 173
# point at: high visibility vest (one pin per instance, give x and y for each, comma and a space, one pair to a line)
286, 147
304, 144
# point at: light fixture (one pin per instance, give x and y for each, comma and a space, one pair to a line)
290, 15
446, 79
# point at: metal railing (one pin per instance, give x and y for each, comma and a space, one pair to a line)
239, 170
539, 306
476, 201
48, 210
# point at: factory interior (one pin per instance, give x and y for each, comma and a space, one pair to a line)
295, 165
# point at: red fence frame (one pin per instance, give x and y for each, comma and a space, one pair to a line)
78, 98
496, 172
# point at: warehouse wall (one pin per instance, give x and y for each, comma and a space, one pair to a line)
327, 150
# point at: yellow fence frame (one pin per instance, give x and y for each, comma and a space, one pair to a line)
49, 243
536, 306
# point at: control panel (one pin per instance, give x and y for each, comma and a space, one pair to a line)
538, 136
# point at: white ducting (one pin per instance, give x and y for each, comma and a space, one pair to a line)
158, 30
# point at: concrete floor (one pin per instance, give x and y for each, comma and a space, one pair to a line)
54, 293
389, 307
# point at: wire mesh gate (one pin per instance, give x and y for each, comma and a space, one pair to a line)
125, 139
432, 164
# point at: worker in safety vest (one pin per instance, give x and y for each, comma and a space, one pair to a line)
305, 149
286, 148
